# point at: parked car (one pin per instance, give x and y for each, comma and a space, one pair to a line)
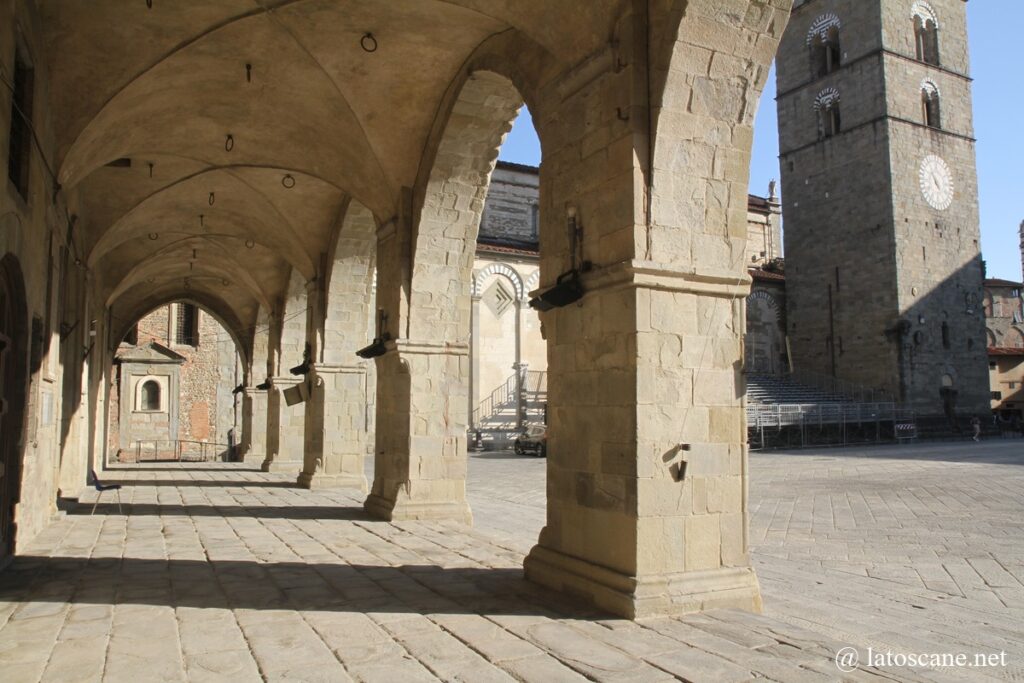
534, 439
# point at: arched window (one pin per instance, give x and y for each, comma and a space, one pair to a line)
930, 109
827, 106
945, 335
823, 41
149, 398
926, 33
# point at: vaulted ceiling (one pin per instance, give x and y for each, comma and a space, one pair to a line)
209, 147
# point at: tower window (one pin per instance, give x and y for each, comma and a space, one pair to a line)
827, 106
187, 328
823, 41
926, 33
945, 336
930, 105
825, 54
20, 147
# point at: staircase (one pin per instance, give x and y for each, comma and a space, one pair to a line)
496, 417
769, 390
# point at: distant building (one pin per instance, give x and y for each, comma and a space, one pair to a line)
880, 199
174, 375
508, 354
1004, 317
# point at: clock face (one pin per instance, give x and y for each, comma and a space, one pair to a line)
936, 182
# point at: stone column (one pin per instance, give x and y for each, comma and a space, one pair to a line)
420, 460
285, 429
335, 446
474, 358
646, 460
254, 425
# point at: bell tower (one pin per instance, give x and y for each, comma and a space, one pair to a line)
880, 200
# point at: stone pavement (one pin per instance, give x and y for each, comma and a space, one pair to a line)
215, 573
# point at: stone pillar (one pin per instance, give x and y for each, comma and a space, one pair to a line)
335, 445
474, 358
646, 460
254, 425
285, 429
420, 460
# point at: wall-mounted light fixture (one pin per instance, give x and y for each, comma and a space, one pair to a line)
264, 385
567, 290
377, 348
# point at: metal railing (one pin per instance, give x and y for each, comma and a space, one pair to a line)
176, 450
500, 398
808, 424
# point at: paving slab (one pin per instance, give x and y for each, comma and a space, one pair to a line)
218, 573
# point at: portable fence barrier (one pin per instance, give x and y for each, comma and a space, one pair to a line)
827, 424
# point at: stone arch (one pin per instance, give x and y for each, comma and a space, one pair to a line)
292, 342
215, 308
532, 282
450, 202
503, 269
990, 337
15, 372
261, 357
349, 287
822, 26
826, 99
1015, 338
924, 13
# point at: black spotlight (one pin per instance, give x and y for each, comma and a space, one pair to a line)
567, 290
264, 385
300, 369
377, 348
239, 389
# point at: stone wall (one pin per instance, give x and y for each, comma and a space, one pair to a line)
46, 404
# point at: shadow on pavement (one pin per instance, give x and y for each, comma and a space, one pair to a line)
251, 585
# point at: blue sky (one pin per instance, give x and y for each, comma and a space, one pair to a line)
998, 108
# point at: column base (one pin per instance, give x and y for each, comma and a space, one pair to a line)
281, 466
405, 510
318, 480
647, 596
254, 459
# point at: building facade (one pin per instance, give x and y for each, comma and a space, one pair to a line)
174, 378
1004, 314
883, 269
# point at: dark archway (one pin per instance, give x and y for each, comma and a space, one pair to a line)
13, 382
